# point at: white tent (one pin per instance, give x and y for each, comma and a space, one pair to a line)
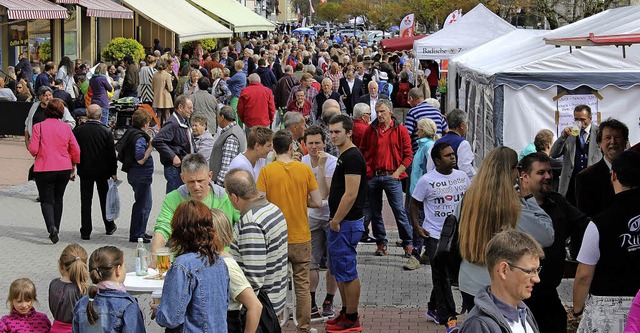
508, 85
476, 27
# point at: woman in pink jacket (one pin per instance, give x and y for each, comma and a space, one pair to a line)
57, 152
633, 321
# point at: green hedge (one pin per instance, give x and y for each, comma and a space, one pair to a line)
119, 47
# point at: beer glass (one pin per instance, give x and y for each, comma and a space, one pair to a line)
575, 128
163, 257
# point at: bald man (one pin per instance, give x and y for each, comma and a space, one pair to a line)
256, 105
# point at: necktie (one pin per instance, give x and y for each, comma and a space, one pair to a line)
582, 142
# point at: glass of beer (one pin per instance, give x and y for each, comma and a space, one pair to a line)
575, 128
163, 257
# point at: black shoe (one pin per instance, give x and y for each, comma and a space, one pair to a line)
83, 237
367, 239
144, 240
112, 230
53, 235
147, 236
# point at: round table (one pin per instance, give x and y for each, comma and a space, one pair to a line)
135, 284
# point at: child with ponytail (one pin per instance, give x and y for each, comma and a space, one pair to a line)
107, 307
65, 291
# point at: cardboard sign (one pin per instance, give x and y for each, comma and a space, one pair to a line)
566, 105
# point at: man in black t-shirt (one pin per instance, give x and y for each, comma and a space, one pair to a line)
347, 197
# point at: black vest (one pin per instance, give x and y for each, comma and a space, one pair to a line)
321, 98
618, 269
581, 158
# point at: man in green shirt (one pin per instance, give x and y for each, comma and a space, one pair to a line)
197, 185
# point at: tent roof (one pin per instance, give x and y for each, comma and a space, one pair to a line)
239, 17
517, 60
477, 27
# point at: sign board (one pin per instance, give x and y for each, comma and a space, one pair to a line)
18, 34
567, 103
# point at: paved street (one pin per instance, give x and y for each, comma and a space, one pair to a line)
392, 300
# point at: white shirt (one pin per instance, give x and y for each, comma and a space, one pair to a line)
589, 250
372, 104
440, 195
242, 162
465, 159
321, 213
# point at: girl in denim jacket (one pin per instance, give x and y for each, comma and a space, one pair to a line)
195, 295
107, 307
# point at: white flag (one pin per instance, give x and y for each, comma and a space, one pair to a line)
453, 17
407, 26
304, 21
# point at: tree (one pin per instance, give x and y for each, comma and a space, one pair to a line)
386, 14
355, 8
329, 11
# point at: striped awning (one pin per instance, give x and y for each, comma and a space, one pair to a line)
33, 10
102, 8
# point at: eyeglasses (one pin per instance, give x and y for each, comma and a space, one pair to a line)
366, 113
531, 272
19, 87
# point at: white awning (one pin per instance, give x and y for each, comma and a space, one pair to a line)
187, 21
33, 10
236, 15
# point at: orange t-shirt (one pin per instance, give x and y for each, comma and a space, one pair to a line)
287, 185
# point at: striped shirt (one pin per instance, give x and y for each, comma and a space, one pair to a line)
260, 246
424, 110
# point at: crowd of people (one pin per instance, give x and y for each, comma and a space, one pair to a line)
291, 143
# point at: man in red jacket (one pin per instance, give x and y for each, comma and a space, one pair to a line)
256, 106
386, 146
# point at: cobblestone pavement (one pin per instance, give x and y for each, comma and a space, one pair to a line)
393, 300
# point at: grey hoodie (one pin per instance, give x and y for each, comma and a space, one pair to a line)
487, 318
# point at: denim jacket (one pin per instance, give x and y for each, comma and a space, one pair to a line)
195, 295
117, 312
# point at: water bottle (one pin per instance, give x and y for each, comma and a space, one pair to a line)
141, 258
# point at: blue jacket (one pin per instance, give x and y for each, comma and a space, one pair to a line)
117, 312
174, 138
419, 164
236, 83
195, 295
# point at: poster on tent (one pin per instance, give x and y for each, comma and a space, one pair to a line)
566, 105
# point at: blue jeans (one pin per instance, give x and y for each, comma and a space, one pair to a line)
418, 242
105, 116
141, 185
172, 175
393, 189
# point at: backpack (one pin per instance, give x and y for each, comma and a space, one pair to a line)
448, 248
269, 322
402, 96
383, 88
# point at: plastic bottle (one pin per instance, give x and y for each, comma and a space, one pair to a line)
141, 258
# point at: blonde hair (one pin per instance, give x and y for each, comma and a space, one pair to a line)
101, 68
490, 205
222, 226
216, 73
73, 260
22, 289
429, 128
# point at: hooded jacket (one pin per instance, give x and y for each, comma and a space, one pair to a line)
487, 318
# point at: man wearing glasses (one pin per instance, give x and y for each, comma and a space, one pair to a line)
513, 260
568, 221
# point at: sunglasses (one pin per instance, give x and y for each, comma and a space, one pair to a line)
19, 87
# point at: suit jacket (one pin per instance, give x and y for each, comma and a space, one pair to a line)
352, 96
366, 97
567, 149
594, 191
97, 152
